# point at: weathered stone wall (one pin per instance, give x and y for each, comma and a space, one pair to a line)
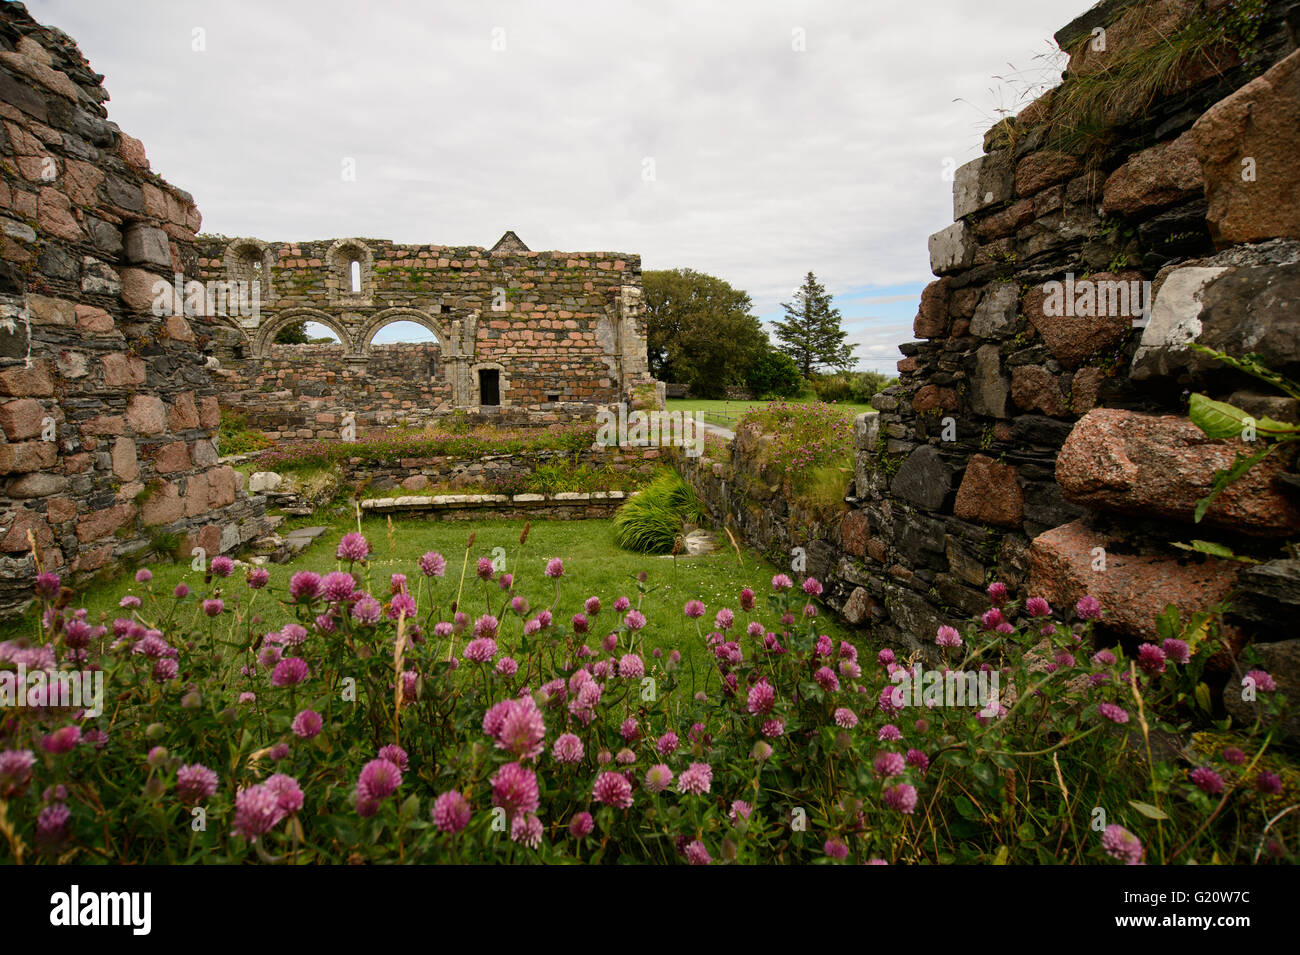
106, 409
416, 474
302, 391
1052, 451
559, 328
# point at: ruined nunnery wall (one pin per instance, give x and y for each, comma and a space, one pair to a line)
1038, 434
107, 412
524, 337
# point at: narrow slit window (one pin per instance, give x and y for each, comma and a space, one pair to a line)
356, 275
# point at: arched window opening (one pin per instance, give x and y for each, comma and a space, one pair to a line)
407, 347
356, 275
306, 333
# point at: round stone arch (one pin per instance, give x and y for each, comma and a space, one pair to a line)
266, 334
390, 316
238, 261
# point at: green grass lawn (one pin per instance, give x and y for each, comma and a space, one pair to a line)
726, 413
593, 566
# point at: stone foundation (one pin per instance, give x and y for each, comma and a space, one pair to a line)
475, 507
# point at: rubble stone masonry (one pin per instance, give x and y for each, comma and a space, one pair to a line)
1025, 438
561, 333
107, 413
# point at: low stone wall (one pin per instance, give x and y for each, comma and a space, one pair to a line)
307, 392
743, 494
415, 474
471, 507
497, 473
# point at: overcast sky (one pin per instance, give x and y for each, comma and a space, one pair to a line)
753, 140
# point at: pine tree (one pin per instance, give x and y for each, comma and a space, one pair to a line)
811, 332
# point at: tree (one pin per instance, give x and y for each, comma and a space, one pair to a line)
700, 331
295, 333
811, 333
774, 375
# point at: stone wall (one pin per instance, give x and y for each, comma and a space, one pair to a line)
416, 474
301, 392
500, 473
565, 332
107, 413
1050, 448
565, 506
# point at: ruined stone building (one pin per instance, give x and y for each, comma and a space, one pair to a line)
113, 374
526, 336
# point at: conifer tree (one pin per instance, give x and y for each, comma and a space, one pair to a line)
811, 333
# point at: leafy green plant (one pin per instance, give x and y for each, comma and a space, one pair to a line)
1218, 419
165, 545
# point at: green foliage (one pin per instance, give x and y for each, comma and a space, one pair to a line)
700, 331
555, 477
1222, 421
1237, 24
811, 333
822, 489
774, 374
455, 439
651, 522
165, 545
295, 333
856, 387
1214, 549
234, 436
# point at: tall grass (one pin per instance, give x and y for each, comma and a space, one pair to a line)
651, 522
1091, 103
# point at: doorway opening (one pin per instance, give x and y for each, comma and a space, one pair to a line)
489, 386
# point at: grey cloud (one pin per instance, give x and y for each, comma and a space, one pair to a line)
768, 162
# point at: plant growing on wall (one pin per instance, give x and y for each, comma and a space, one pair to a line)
1218, 419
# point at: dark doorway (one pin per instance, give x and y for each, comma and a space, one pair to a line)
489, 386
